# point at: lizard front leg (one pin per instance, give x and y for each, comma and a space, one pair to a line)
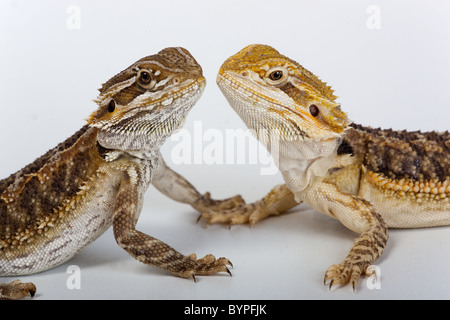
358, 215
174, 186
152, 251
278, 200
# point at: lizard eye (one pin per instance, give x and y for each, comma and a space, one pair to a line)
276, 76
145, 79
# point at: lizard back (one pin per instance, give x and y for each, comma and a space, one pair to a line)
405, 175
36, 195
400, 154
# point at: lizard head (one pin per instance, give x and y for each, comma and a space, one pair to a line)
272, 92
142, 105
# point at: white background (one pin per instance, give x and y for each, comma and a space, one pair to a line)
397, 76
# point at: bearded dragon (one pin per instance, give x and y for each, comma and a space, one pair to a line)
68, 197
369, 179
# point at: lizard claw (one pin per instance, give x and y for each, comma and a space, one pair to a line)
344, 273
206, 266
331, 284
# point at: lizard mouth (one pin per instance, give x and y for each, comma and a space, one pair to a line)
149, 102
226, 81
241, 95
281, 117
147, 126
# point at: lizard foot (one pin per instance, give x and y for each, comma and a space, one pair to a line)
206, 266
346, 272
205, 203
366, 249
16, 290
244, 213
232, 210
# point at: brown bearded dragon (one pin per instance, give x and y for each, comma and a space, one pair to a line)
67, 198
369, 179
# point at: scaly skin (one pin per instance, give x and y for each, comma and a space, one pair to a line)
67, 198
368, 179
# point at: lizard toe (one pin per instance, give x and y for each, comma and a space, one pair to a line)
344, 273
